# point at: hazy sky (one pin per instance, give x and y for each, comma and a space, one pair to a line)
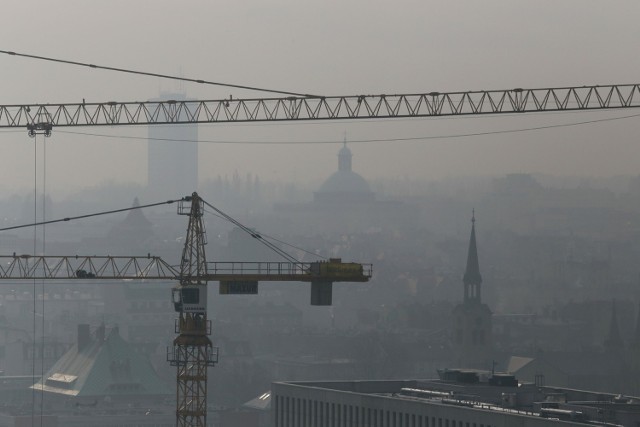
324, 47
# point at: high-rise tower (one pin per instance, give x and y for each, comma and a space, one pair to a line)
172, 156
472, 328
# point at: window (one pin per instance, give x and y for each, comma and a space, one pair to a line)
190, 295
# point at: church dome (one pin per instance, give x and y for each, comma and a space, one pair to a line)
344, 184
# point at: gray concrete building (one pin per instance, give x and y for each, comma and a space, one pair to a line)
457, 399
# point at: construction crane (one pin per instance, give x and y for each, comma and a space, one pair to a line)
193, 352
44, 117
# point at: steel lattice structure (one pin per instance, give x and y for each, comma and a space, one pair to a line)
430, 104
192, 361
192, 348
76, 267
193, 352
86, 267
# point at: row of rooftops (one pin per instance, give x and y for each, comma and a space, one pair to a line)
500, 392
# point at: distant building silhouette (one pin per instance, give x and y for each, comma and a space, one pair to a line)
132, 233
172, 156
344, 185
345, 203
472, 328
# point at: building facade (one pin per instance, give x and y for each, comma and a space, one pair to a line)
437, 403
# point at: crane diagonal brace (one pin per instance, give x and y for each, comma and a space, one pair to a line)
289, 108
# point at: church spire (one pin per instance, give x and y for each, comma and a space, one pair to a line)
344, 157
472, 278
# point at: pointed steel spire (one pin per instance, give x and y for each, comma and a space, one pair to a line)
472, 273
344, 157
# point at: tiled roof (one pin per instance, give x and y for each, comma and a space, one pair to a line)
104, 367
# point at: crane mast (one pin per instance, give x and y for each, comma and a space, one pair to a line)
193, 351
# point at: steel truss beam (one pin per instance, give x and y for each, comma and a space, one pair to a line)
85, 267
430, 104
20, 267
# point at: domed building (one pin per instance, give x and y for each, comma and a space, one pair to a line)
344, 203
344, 185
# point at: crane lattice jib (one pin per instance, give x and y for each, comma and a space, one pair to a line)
430, 104
20, 267
149, 267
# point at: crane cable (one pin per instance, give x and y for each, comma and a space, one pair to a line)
44, 244
35, 235
41, 351
44, 240
253, 234
35, 224
162, 76
263, 235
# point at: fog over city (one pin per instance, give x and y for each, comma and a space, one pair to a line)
326, 48
463, 268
